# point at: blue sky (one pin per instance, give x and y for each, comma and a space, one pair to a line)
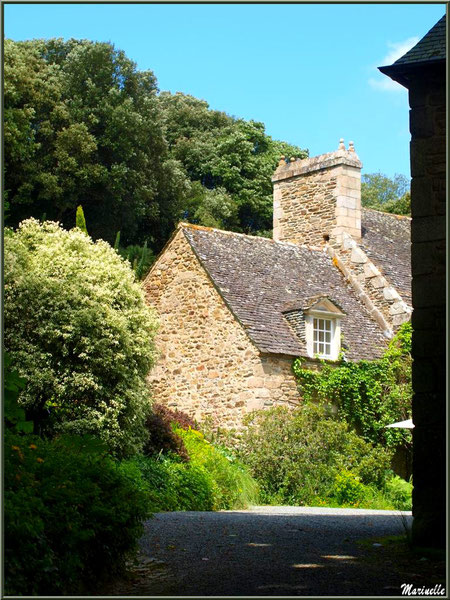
308, 71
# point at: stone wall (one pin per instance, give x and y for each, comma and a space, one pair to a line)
318, 198
208, 367
428, 208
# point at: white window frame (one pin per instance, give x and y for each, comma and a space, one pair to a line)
335, 341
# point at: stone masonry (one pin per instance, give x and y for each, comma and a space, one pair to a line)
208, 367
318, 198
422, 70
317, 202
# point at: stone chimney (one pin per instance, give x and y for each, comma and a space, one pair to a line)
318, 199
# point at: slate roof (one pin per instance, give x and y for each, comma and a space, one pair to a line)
431, 47
386, 239
258, 278
429, 51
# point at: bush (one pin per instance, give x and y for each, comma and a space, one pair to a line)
399, 492
296, 455
161, 436
348, 488
234, 486
209, 481
78, 328
174, 485
72, 514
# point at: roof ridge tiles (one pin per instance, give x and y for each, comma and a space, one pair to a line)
380, 212
184, 225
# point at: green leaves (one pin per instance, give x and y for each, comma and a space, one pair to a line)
78, 327
296, 455
369, 394
15, 416
83, 126
232, 159
388, 195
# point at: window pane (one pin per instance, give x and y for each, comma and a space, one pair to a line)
321, 336
328, 325
328, 337
321, 348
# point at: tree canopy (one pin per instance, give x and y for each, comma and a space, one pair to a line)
386, 194
84, 127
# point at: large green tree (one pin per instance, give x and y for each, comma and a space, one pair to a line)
83, 126
386, 194
233, 157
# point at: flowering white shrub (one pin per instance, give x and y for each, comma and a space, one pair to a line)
78, 328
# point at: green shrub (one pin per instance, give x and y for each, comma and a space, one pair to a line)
399, 492
13, 384
234, 486
174, 485
80, 221
211, 480
78, 328
295, 455
72, 514
347, 488
140, 258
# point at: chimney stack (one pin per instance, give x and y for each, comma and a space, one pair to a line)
318, 199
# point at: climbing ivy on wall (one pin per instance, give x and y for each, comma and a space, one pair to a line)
369, 394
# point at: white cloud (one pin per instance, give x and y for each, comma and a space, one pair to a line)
396, 50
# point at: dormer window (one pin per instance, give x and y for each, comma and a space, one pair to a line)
323, 328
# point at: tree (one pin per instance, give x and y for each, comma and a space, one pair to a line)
233, 157
80, 220
83, 126
78, 329
388, 195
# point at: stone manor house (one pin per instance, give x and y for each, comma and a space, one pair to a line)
235, 310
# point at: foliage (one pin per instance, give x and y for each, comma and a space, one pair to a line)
80, 220
72, 514
388, 195
233, 485
13, 384
78, 328
83, 126
140, 258
399, 492
347, 488
174, 485
295, 455
232, 159
369, 394
162, 438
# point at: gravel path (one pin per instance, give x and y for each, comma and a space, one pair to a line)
266, 551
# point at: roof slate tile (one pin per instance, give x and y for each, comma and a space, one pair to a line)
258, 278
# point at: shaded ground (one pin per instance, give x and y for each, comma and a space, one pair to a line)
276, 551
